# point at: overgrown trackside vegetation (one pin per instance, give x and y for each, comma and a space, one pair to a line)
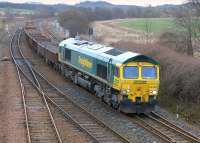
180, 80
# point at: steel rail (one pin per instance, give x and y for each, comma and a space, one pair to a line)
65, 113
158, 133
60, 109
152, 130
29, 66
38, 85
174, 127
22, 93
144, 125
80, 107
43, 96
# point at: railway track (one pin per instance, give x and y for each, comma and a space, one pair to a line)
40, 124
164, 129
78, 115
187, 136
151, 123
82, 119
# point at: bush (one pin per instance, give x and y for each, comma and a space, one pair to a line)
175, 41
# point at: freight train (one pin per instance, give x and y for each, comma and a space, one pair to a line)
126, 81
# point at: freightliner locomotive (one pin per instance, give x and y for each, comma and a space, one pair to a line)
126, 81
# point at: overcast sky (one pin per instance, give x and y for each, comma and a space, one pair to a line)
127, 2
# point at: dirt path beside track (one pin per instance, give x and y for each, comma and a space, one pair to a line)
11, 110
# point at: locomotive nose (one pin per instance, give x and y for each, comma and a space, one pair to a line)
140, 92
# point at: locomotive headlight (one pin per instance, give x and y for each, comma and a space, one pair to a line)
153, 92
123, 91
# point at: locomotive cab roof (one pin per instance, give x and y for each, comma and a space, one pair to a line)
105, 53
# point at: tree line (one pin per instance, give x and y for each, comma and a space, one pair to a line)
79, 19
187, 36
186, 16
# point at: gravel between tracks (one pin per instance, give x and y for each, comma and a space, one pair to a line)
70, 133
178, 121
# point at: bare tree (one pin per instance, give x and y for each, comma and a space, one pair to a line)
74, 20
186, 20
148, 24
196, 5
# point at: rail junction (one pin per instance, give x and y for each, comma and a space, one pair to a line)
40, 122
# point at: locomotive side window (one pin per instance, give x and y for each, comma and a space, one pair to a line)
116, 72
67, 54
102, 71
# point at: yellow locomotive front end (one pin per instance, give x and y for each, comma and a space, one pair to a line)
138, 83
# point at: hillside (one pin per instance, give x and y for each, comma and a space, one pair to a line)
98, 4
163, 10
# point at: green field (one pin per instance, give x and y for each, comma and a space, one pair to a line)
155, 25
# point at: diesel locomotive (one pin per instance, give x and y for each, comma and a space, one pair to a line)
126, 81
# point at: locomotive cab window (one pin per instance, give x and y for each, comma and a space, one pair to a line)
149, 72
131, 72
67, 54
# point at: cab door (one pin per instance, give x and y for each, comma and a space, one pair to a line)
109, 71
116, 80
62, 52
